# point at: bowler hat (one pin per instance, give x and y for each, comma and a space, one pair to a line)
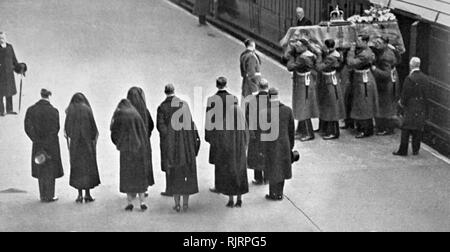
41, 157
21, 68
295, 156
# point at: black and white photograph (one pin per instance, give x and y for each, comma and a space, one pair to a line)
238, 117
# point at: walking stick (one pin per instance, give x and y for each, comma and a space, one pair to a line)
20, 94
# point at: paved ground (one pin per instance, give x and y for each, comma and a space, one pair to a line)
102, 48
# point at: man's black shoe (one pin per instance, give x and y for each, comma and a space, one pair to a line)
399, 154
271, 197
416, 153
11, 113
2, 114
330, 137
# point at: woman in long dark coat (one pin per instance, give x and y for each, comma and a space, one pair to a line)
137, 98
181, 146
231, 159
82, 134
129, 135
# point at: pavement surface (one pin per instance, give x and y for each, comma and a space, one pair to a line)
104, 47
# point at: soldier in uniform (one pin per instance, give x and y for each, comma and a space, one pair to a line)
301, 62
201, 8
250, 69
413, 102
364, 88
252, 109
388, 84
331, 99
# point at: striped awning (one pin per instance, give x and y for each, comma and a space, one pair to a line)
433, 10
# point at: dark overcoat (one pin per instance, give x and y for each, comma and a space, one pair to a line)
201, 7
277, 153
81, 130
8, 62
388, 83
254, 106
331, 97
129, 135
231, 158
137, 99
304, 95
225, 100
179, 147
250, 64
42, 127
364, 88
414, 100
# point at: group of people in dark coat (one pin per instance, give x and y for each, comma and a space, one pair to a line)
239, 141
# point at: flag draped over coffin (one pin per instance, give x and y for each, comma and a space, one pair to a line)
345, 35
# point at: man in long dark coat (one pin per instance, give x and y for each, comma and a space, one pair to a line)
388, 84
364, 88
301, 61
277, 152
216, 104
414, 103
179, 144
250, 64
129, 135
331, 98
201, 8
228, 137
253, 107
42, 127
8, 63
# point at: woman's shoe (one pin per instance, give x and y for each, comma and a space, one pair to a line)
185, 207
238, 204
89, 199
177, 208
79, 200
144, 207
230, 204
129, 208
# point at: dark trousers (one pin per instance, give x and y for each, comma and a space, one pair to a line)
9, 104
349, 123
332, 128
416, 140
305, 128
202, 19
365, 126
47, 188
259, 176
276, 189
384, 124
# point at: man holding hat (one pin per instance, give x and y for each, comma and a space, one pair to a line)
278, 145
42, 127
8, 64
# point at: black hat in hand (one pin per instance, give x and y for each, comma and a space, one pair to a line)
21, 68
